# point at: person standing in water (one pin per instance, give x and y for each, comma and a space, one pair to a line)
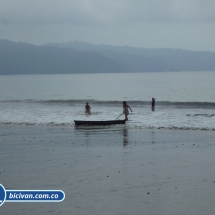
125, 110
153, 104
87, 108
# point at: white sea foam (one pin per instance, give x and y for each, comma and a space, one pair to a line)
141, 117
55, 100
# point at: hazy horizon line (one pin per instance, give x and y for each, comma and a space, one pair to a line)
101, 44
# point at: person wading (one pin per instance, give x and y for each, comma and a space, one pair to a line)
87, 108
125, 109
153, 104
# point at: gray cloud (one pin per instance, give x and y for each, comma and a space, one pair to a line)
4, 22
154, 23
105, 11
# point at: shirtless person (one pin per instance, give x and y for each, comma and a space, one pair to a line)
153, 104
125, 110
87, 108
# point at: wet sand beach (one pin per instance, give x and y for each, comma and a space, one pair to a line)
110, 171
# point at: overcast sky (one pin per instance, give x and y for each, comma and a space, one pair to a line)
185, 24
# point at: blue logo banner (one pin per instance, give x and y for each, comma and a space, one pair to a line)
30, 195
2, 194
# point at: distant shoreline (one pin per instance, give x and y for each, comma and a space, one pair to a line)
99, 73
84, 58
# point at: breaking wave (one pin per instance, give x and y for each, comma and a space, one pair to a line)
208, 105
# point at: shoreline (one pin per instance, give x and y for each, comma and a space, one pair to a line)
117, 170
72, 125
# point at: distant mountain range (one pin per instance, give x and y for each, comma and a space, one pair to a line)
82, 57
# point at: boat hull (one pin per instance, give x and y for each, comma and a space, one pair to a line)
109, 122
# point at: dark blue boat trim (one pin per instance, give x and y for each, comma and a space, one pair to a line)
109, 122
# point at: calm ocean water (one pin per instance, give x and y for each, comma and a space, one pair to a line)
184, 100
